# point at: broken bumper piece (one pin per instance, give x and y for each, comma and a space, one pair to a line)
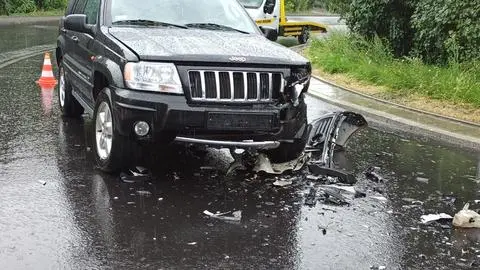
263, 145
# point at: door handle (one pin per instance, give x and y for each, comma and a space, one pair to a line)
75, 39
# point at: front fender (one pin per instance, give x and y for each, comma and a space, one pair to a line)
110, 70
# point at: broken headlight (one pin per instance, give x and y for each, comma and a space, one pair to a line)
299, 82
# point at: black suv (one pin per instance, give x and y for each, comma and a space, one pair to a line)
193, 71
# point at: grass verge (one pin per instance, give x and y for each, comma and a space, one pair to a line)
369, 67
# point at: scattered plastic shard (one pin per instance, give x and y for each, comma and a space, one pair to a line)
344, 177
380, 198
144, 193
466, 218
335, 197
134, 175
346, 188
372, 175
435, 217
422, 180
263, 164
192, 243
311, 199
236, 216
43, 183
283, 183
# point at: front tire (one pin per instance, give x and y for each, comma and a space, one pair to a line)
67, 102
112, 150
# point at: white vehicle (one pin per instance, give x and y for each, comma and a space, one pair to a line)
271, 13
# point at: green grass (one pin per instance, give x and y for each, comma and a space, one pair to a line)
371, 62
38, 13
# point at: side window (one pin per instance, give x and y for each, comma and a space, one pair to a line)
79, 7
91, 10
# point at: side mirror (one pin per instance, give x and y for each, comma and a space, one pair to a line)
269, 32
269, 6
78, 23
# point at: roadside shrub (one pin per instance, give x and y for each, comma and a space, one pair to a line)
299, 5
387, 19
447, 31
21, 6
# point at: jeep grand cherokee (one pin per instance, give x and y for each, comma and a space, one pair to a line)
194, 71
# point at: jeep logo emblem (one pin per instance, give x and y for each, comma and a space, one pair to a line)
237, 59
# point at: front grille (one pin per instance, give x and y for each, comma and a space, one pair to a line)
235, 86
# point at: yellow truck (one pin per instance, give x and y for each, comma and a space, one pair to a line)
271, 13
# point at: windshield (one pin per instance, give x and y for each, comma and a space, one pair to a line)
228, 13
251, 3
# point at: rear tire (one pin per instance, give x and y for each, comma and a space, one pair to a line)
304, 36
112, 150
67, 102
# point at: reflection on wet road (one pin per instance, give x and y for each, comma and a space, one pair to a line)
82, 218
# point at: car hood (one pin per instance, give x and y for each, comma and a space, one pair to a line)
198, 45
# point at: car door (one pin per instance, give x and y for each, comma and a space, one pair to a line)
70, 56
84, 49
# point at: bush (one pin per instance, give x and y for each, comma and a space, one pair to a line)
299, 5
447, 31
28, 6
438, 31
21, 6
388, 19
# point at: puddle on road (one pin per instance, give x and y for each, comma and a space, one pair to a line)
105, 222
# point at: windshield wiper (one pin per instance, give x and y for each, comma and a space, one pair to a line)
148, 23
214, 26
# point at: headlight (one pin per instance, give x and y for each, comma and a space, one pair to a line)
299, 83
158, 77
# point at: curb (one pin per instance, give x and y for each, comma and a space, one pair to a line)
395, 104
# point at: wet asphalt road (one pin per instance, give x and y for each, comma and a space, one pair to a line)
84, 219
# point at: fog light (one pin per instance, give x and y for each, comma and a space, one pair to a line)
142, 128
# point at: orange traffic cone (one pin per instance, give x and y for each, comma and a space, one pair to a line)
47, 79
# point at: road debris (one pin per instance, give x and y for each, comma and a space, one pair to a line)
345, 188
334, 197
283, 182
144, 193
435, 217
422, 180
360, 194
135, 175
380, 198
311, 198
43, 183
343, 177
263, 164
372, 175
466, 218
236, 216
192, 243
